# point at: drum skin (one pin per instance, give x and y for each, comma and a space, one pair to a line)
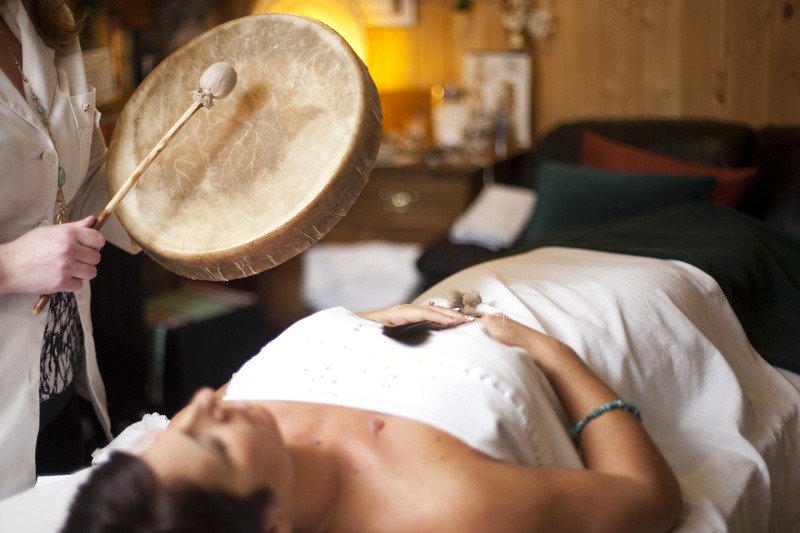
264, 173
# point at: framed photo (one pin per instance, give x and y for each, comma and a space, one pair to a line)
389, 13
502, 80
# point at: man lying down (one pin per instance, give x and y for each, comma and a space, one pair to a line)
544, 417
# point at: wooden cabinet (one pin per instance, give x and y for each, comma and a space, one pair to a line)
417, 203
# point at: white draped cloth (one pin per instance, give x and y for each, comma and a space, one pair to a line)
664, 336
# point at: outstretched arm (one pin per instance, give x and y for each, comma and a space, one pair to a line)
628, 485
403, 314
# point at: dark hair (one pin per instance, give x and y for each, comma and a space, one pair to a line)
54, 22
124, 496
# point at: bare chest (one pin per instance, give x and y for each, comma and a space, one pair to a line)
400, 475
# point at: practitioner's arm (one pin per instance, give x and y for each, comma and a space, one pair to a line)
627, 484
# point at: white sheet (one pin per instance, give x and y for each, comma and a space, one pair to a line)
663, 335
359, 276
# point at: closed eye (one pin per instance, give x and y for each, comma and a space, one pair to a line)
218, 447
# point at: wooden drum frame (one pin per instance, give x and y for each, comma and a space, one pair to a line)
264, 173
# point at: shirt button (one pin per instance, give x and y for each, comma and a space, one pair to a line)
50, 158
43, 222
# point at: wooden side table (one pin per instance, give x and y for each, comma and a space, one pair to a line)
419, 202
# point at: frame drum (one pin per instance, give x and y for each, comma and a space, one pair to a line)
264, 173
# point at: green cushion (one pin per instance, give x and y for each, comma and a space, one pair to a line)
572, 196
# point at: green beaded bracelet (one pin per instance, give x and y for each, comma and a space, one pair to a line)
575, 434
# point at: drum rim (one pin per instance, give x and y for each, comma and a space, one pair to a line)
286, 241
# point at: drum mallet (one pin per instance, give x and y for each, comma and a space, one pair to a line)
216, 82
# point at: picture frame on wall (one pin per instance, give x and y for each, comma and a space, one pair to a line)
389, 13
502, 80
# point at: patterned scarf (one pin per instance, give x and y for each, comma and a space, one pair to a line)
63, 343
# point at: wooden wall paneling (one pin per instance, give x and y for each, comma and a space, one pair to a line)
727, 59
566, 66
784, 64
456, 28
661, 25
482, 28
704, 83
464, 24
749, 29
479, 28
413, 42
581, 61
446, 29
435, 51
546, 77
619, 59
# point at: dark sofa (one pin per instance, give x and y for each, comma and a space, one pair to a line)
773, 196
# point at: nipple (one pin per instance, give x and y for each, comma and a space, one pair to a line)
376, 425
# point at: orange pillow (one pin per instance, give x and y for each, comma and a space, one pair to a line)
600, 152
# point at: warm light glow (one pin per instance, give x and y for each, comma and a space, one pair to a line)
342, 15
390, 63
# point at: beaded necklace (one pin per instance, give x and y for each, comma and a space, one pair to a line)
60, 209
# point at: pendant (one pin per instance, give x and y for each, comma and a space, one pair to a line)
60, 210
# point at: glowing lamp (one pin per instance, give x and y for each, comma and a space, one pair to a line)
343, 16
